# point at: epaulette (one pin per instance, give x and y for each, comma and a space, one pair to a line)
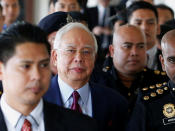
106, 69
154, 91
158, 72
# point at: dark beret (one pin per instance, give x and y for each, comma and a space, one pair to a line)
55, 21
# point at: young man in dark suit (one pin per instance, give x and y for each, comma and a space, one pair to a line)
25, 75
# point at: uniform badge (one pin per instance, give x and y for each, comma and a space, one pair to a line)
157, 72
169, 110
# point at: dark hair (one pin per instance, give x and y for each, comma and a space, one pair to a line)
165, 7
80, 2
163, 30
120, 15
141, 5
0, 7
171, 23
19, 33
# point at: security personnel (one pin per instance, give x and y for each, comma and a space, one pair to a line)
127, 64
156, 104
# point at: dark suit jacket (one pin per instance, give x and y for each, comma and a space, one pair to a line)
60, 119
109, 108
92, 15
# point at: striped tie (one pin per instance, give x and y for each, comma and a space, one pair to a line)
26, 126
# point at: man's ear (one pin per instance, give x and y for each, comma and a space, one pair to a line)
54, 57
111, 50
162, 62
1, 70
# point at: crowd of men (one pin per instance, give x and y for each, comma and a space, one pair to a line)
105, 68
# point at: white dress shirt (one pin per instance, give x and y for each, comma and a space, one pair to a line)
84, 101
101, 12
14, 119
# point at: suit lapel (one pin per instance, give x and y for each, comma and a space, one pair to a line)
54, 84
97, 102
52, 118
2, 122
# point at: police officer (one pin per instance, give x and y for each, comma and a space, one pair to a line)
128, 61
156, 103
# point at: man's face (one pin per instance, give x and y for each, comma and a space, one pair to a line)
75, 56
10, 10
26, 75
164, 15
168, 59
67, 5
128, 51
146, 20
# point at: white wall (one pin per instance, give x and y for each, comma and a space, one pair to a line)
40, 10
41, 7
92, 3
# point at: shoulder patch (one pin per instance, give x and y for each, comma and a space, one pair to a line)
154, 91
105, 69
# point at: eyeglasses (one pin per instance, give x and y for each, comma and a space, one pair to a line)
85, 53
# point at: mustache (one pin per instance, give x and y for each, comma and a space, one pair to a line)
33, 84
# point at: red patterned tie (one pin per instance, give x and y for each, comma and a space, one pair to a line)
26, 126
75, 106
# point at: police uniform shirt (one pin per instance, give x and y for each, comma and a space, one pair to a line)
159, 106
144, 78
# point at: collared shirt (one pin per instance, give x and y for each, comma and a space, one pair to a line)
101, 12
84, 101
14, 119
151, 57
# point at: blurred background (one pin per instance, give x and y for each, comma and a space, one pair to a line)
34, 10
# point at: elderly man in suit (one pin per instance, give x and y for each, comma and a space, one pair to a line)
25, 75
74, 54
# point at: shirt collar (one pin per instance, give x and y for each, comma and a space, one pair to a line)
101, 8
37, 112
8, 111
66, 91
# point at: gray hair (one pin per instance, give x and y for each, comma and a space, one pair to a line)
67, 28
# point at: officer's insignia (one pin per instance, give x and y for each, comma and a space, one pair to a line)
173, 89
145, 89
105, 69
159, 91
163, 73
157, 72
158, 85
129, 94
146, 98
152, 87
169, 110
153, 94
164, 83
69, 18
144, 69
165, 88
0, 92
